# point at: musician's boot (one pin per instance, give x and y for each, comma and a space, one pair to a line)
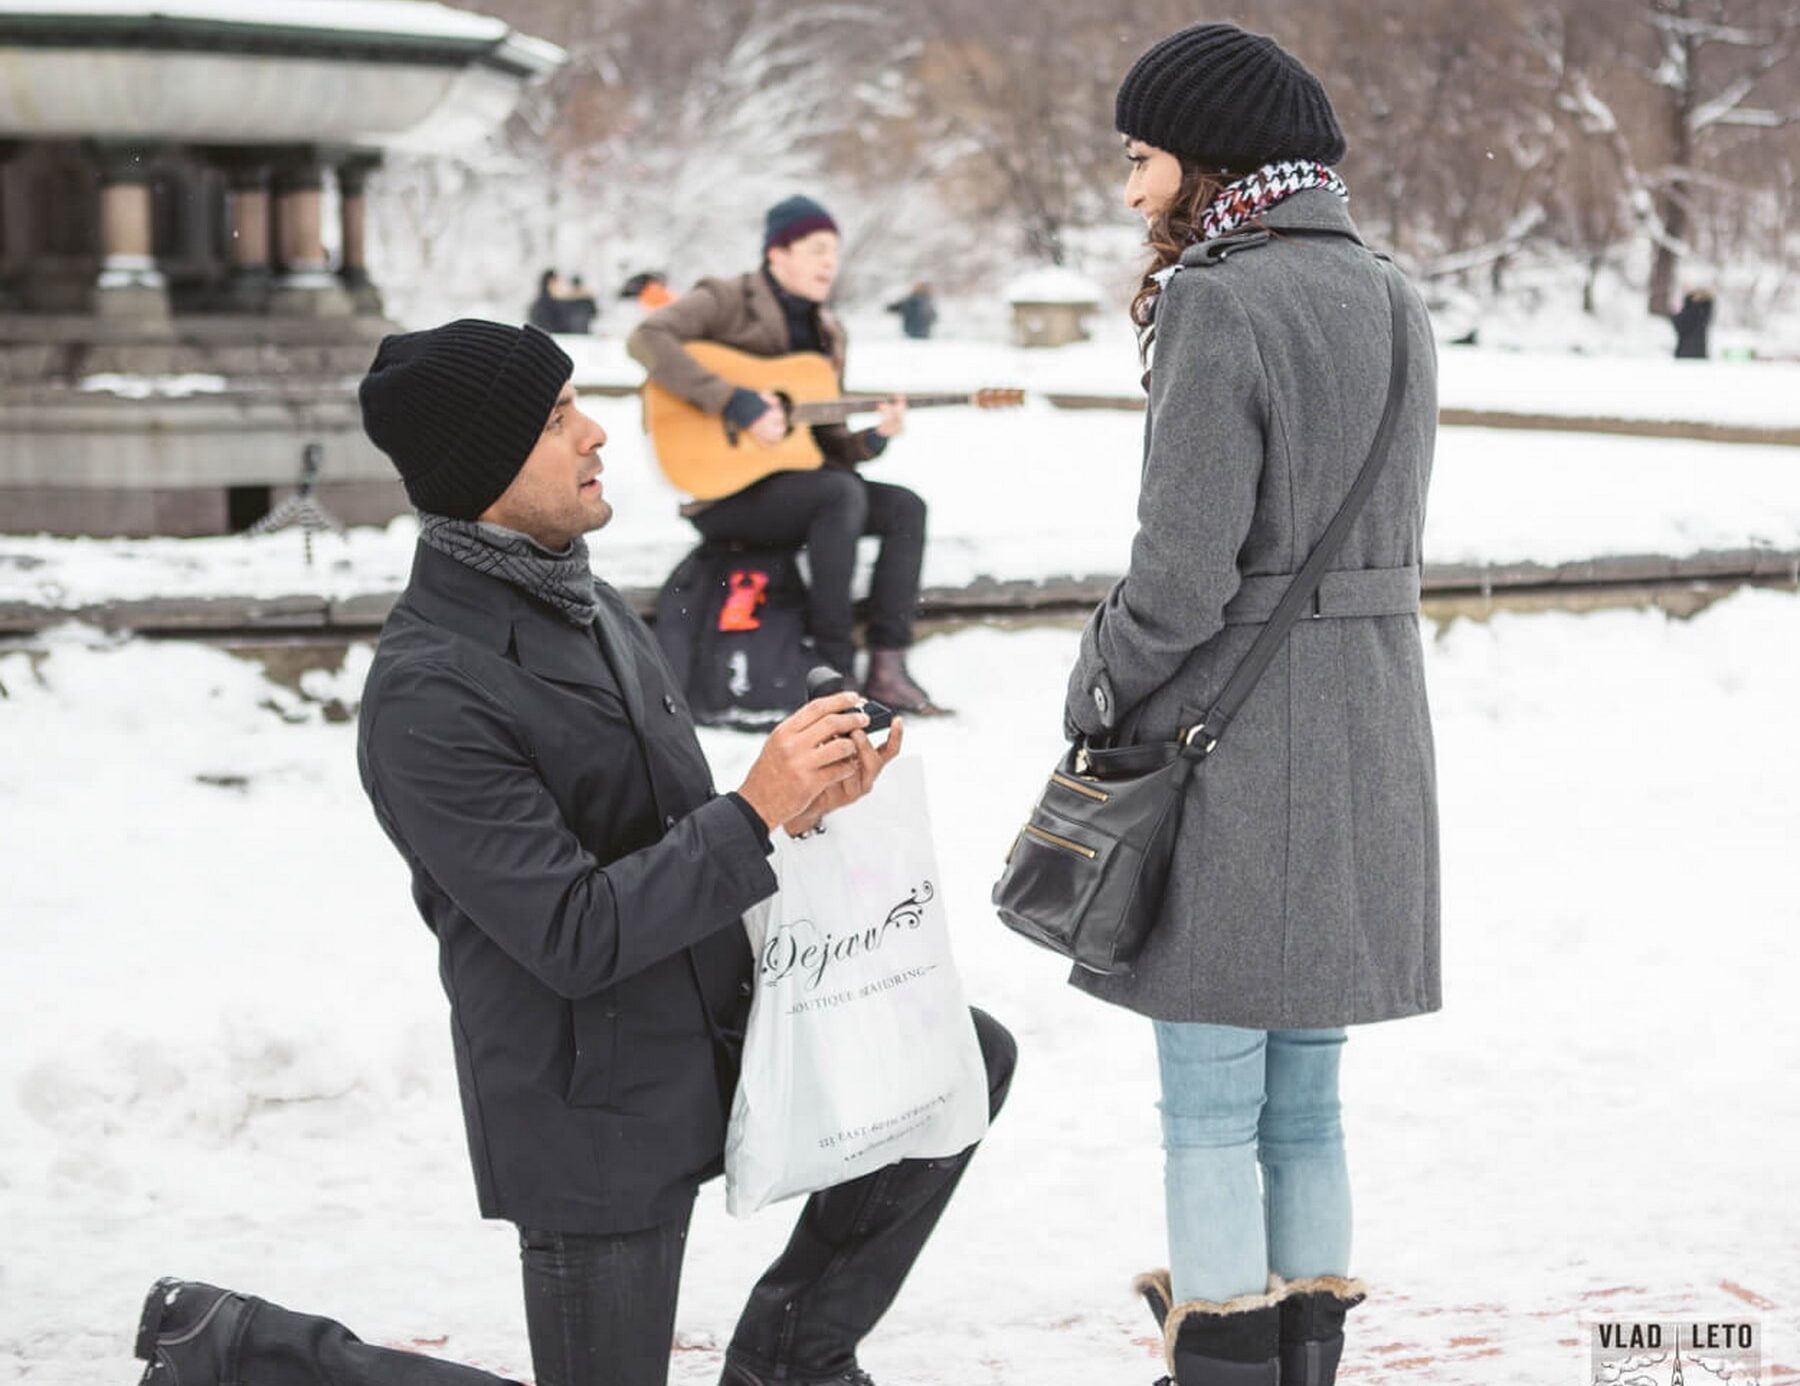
888, 683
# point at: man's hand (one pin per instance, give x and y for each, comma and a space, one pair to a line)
771, 426
892, 414
870, 762
805, 756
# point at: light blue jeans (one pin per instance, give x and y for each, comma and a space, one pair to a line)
1234, 1099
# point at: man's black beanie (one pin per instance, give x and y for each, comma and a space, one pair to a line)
1227, 99
458, 409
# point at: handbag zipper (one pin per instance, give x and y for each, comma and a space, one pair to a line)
1033, 830
1099, 796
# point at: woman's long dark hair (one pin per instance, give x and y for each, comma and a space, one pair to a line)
1172, 230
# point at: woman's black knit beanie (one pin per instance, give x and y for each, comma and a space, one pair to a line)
459, 408
1227, 99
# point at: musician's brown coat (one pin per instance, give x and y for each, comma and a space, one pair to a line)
744, 313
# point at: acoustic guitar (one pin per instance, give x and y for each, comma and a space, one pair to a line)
708, 457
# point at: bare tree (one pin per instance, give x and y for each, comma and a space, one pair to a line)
951, 134
1664, 90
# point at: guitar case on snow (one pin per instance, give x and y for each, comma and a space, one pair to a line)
731, 621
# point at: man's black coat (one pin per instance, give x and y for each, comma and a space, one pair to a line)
585, 884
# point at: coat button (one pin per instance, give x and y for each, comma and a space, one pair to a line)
668, 703
744, 989
669, 821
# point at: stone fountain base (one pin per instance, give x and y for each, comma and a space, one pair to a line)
188, 426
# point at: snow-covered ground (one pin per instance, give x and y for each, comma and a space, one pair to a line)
227, 1058
1762, 394
1028, 494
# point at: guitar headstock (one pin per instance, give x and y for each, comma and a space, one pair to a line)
997, 399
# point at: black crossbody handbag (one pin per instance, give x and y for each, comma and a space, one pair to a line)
1086, 875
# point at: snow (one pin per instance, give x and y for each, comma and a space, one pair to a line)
410, 17
1749, 394
153, 386
1054, 284
1498, 496
228, 1057
1730, 393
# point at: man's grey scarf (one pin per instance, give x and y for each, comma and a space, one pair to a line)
562, 580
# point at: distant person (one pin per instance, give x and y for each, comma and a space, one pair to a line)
649, 289
1692, 320
918, 311
579, 307
771, 311
546, 313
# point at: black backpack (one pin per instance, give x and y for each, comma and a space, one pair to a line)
732, 623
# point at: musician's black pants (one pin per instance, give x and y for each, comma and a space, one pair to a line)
828, 511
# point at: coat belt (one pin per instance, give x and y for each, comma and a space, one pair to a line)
1348, 592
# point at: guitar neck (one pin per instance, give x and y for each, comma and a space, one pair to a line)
834, 411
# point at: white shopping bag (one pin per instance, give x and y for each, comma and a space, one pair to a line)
860, 1049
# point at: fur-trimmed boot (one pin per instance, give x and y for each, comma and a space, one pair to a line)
1236, 1343
1157, 1292
1312, 1328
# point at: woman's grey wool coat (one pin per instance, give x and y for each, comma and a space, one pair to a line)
1304, 892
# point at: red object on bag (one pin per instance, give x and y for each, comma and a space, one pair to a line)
749, 590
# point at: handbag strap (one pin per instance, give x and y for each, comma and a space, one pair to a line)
1200, 739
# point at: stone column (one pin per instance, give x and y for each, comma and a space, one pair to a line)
353, 176
130, 285
14, 218
247, 290
305, 287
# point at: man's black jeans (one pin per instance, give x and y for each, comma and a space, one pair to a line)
601, 1309
828, 511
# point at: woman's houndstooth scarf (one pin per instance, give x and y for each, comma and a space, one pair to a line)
1247, 199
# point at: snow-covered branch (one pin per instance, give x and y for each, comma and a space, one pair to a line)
1704, 31
1581, 100
1518, 231
1759, 119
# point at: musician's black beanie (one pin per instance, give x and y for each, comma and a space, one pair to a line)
458, 409
790, 219
1227, 99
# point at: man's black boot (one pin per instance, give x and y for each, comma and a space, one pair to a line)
1234, 1343
736, 1374
1312, 1328
189, 1333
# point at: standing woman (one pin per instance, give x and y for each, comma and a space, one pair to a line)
1304, 892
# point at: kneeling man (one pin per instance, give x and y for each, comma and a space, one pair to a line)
528, 753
